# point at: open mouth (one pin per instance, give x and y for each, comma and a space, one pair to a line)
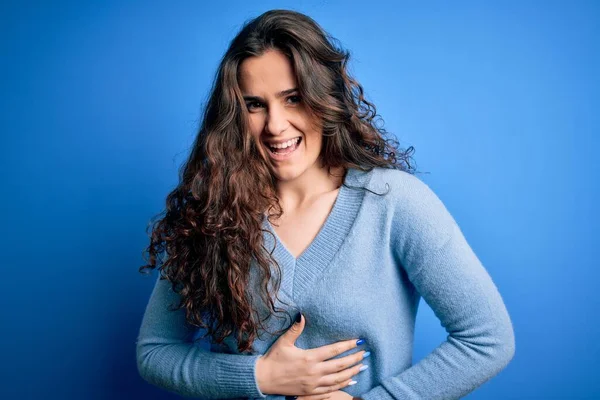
284, 149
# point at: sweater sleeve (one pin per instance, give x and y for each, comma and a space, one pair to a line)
445, 271
167, 358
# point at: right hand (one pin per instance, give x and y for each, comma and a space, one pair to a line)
288, 370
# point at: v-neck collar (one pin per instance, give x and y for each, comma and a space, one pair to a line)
298, 273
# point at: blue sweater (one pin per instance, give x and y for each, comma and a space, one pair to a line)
361, 277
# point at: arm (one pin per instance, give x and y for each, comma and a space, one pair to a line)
166, 358
445, 271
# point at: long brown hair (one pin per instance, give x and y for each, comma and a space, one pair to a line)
212, 226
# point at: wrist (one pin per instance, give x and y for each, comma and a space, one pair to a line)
262, 373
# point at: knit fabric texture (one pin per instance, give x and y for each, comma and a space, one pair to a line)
388, 241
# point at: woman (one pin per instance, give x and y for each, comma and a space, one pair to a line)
293, 203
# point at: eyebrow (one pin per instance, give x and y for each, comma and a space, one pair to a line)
278, 95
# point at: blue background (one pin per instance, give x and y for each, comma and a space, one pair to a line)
100, 102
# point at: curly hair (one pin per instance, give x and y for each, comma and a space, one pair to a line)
211, 230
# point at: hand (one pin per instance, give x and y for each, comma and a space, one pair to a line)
337, 395
287, 370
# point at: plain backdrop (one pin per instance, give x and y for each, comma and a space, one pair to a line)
100, 102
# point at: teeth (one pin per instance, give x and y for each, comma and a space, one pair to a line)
285, 145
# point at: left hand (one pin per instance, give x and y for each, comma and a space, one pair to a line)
336, 395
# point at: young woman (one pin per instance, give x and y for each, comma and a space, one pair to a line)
293, 203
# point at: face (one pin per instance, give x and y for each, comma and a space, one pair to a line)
278, 118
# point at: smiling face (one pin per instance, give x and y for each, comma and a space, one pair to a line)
278, 117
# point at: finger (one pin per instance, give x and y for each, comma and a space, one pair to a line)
332, 388
340, 377
331, 350
340, 364
314, 397
291, 335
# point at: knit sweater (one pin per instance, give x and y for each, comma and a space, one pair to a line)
387, 242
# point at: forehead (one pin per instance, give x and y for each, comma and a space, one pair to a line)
266, 74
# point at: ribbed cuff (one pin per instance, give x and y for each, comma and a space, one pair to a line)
241, 375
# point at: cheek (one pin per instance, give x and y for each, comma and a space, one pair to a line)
256, 126
315, 141
315, 135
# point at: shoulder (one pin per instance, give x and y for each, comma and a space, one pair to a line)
403, 188
379, 178
413, 206
401, 180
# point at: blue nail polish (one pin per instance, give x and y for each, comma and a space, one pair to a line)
366, 354
359, 342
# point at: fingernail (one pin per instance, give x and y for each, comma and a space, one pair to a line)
298, 317
366, 354
359, 342
363, 367
352, 383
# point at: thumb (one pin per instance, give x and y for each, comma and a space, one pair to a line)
295, 330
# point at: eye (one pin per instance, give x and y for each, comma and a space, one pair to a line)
296, 99
250, 105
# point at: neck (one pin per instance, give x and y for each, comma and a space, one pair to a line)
312, 183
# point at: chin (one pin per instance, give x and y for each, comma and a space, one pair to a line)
288, 172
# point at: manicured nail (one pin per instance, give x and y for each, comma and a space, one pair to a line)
363, 367
366, 354
298, 317
352, 383
359, 342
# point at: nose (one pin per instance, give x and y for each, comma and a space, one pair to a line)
277, 120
